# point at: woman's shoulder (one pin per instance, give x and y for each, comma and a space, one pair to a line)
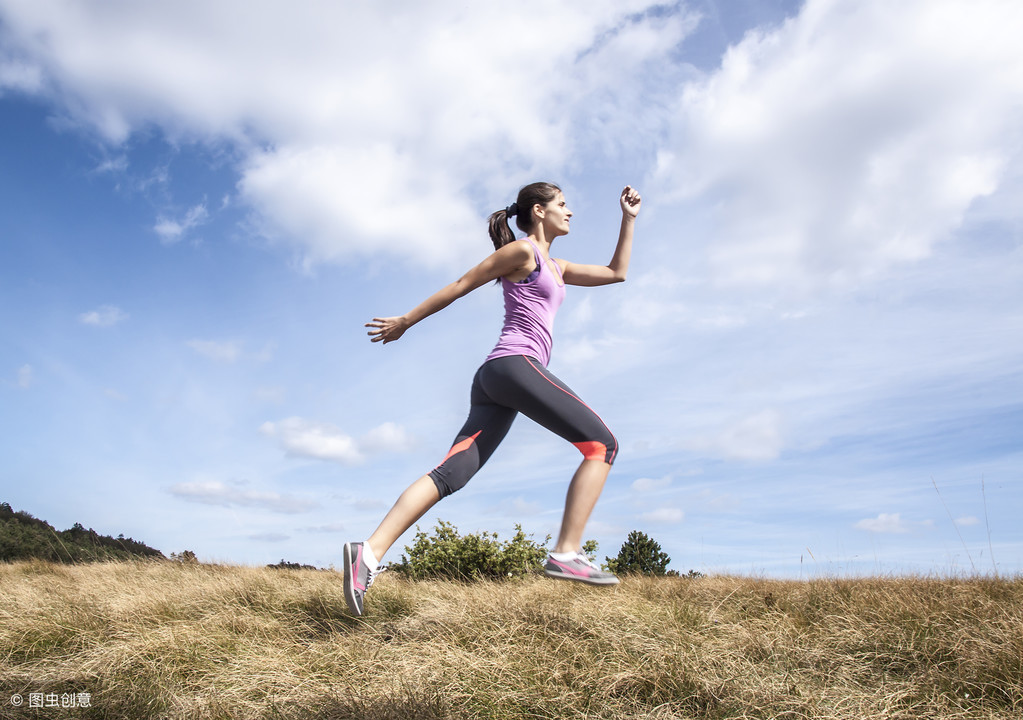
520, 248
515, 260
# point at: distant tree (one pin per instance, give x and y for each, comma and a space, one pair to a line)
24, 537
641, 555
187, 557
284, 565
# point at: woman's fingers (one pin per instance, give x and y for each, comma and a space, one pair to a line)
631, 199
385, 329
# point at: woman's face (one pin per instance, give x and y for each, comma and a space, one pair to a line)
556, 216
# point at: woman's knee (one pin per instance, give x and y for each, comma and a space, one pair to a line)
451, 479
604, 448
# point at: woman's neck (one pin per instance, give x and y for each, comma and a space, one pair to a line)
539, 237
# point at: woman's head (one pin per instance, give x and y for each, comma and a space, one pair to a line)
538, 193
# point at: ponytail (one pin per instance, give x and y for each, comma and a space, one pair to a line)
500, 233
539, 193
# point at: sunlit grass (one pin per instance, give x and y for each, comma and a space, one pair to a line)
170, 640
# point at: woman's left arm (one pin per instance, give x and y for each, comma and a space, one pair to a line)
618, 268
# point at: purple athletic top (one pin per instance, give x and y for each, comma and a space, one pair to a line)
529, 310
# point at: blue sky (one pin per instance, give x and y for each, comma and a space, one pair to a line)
814, 367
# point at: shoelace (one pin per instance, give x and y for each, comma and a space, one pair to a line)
371, 576
582, 558
587, 561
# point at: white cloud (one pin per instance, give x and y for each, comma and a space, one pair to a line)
756, 437
664, 516
645, 485
171, 231
362, 127
852, 138
215, 492
306, 438
386, 438
967, 521
338, 203
113, 165
104, 316
322, 441
884, 523
19, 75
220, 350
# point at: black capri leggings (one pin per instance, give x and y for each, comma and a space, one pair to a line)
504, 387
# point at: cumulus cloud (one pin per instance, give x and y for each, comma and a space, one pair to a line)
388, 437
104, 316
329, 160
851, 138
884, 523
301, 437
306, 438
328, 197
215, 492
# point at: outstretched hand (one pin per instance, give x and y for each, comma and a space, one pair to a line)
387, 329
630, 201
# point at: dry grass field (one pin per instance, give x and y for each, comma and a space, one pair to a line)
168, 640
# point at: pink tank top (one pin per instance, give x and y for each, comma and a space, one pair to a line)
529, 310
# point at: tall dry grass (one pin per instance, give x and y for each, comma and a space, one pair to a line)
165, 640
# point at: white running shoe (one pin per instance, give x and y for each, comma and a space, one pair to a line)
358, 577
579, 569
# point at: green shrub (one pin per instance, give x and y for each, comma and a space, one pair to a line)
640, 554
446, 554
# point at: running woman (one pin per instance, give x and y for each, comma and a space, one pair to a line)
513, 379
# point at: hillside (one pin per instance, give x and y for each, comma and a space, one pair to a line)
171, 640
23, 537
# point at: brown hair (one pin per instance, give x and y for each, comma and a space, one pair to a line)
538, 193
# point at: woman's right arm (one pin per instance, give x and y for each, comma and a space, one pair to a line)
508, 259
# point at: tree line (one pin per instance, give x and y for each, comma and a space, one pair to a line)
24, 537
444, 554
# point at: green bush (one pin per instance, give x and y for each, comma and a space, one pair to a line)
640, 554
446, 554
